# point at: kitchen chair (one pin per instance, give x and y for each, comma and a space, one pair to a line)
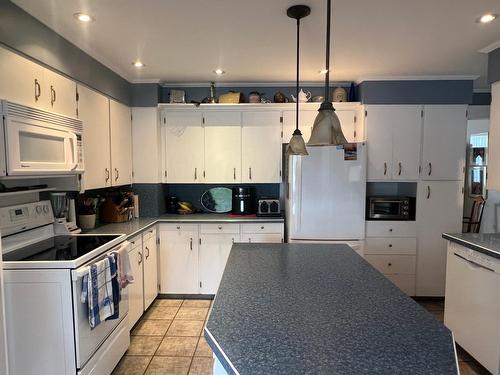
472, 223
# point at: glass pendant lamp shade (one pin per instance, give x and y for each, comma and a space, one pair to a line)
297, 145
326, 129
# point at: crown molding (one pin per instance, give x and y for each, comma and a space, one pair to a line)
254, 84
465, 77
490, 48
145, 80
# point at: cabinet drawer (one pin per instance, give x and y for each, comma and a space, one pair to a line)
136, 241
393, 264
147, 234
178, 227
391, 229
404, 282
219, 228
262, 228
261, 238
391, 245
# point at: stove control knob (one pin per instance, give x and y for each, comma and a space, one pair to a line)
46, 209
38, 210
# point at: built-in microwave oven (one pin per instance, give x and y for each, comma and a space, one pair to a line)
390, 208
38, 142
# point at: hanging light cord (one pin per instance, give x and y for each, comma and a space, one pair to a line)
327, 65
297, 80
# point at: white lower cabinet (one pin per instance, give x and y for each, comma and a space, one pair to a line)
143, 262
193, 257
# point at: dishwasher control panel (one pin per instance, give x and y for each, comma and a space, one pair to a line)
476, 258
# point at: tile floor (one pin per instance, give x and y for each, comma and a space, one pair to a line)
169, 340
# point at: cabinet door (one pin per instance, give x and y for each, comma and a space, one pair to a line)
62, 94
261, 147
184, 144
135, 289
121, 143
443, 152
222, 147
379, 141
439, 210
150, 252
22, 81
213, 254
93, 110
179, 259
306, 121
146, 145
406, 123
348, 124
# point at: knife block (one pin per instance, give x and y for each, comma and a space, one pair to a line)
111, 213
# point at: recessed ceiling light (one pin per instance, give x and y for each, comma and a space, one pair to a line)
83, 17
138, 64
219, 72
487, 18
323, 71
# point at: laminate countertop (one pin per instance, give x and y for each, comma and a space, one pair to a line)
135, 226
319, 309
486, 243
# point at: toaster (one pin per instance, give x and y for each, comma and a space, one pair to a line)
268, 207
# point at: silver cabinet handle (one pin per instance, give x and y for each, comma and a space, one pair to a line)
147, 254
385, 168
38, 90
106, 170
140, 257
191, 244
400, 167
430, 168
117, 174
428, 191
250, 173
52, 95
196, 173
234, 173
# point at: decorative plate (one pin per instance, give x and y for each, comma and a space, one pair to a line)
217, 200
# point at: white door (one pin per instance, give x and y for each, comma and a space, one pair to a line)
379, 141
62, 94
179, 259
121, 143
444, 142
348, 124
406, 121
22, 81
184, 158
439, 210
222, 147
3, 339
150, 251
93, 110
261, 147
306, 121
212, 258
146, 145
135, 289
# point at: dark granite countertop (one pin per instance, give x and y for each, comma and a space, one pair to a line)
135, 226
486, 243
320, 309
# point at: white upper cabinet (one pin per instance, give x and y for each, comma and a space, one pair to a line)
261, 147
393, 141
146, 145
184, 156
30, 84
306, 121
222, 147
93, 110
444, 142
62, 94
121, 143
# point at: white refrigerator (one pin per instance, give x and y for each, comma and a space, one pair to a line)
326, 195
3, 340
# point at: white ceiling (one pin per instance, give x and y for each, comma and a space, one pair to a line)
185, 40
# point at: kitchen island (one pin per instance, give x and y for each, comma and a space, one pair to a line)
319, 309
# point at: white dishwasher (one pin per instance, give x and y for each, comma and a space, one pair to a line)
472, 303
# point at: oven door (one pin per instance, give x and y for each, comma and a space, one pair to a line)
386, 209
35, 148
88, 340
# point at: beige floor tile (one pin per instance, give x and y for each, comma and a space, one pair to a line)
151, 327
192, 313
196, 303
202, 366
132, 365
169, 366
185, 328
177, 346
143, 345
161, 312
203, 350
168, 302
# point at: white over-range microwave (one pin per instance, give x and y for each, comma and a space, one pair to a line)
34, 142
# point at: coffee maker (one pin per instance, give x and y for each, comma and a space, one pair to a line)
243, 202
64, 214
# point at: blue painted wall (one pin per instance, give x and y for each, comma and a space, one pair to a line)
494, 66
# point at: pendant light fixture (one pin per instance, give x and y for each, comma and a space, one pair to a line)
297, 146
326, 129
